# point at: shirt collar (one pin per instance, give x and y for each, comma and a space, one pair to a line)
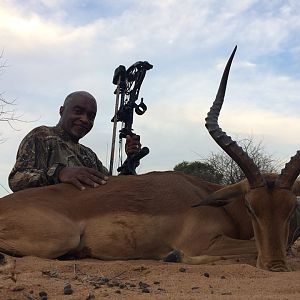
63, 134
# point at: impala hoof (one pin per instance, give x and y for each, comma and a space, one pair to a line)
174, 256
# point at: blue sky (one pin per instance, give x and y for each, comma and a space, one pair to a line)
54, 47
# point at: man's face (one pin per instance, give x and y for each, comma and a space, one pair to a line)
77, 116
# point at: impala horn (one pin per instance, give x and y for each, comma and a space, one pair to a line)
247, 165
290, 172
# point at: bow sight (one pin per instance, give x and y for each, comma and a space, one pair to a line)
128, 86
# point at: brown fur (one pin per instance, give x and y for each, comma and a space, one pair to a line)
131, 217
147, 216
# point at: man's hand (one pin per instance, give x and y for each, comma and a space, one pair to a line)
133, 144
78, 176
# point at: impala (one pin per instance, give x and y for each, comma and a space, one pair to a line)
159, 215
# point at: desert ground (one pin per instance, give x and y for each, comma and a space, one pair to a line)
35, 278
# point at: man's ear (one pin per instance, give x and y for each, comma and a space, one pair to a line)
61, 110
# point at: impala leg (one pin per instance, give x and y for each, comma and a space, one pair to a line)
225, 246
179, 257
204, 259
222, 247
36, 232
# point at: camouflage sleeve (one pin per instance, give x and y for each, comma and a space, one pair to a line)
30, 169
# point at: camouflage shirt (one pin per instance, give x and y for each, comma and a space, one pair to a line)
42, 154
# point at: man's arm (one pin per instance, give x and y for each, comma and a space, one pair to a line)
30, 169
80, 176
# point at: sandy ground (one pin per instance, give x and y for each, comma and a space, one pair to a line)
35, 278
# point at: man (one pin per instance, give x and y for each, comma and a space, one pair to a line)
50, 155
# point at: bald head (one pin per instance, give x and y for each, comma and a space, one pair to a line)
77, 114
79, 94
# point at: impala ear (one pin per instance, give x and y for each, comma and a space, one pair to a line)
226, 195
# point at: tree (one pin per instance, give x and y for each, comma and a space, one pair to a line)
221, 168
7, 113
7, 110
199, 169
232, 173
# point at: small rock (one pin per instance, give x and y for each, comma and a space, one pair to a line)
43, 295
118, 291
101, 282
68, 289
223, 277
145, 290
105, 279
122, 285
156, 282
182, 270
206, 274
195, 287
143, 285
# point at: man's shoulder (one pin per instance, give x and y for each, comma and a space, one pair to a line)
40, 131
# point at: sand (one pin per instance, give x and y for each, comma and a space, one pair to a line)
36, 278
